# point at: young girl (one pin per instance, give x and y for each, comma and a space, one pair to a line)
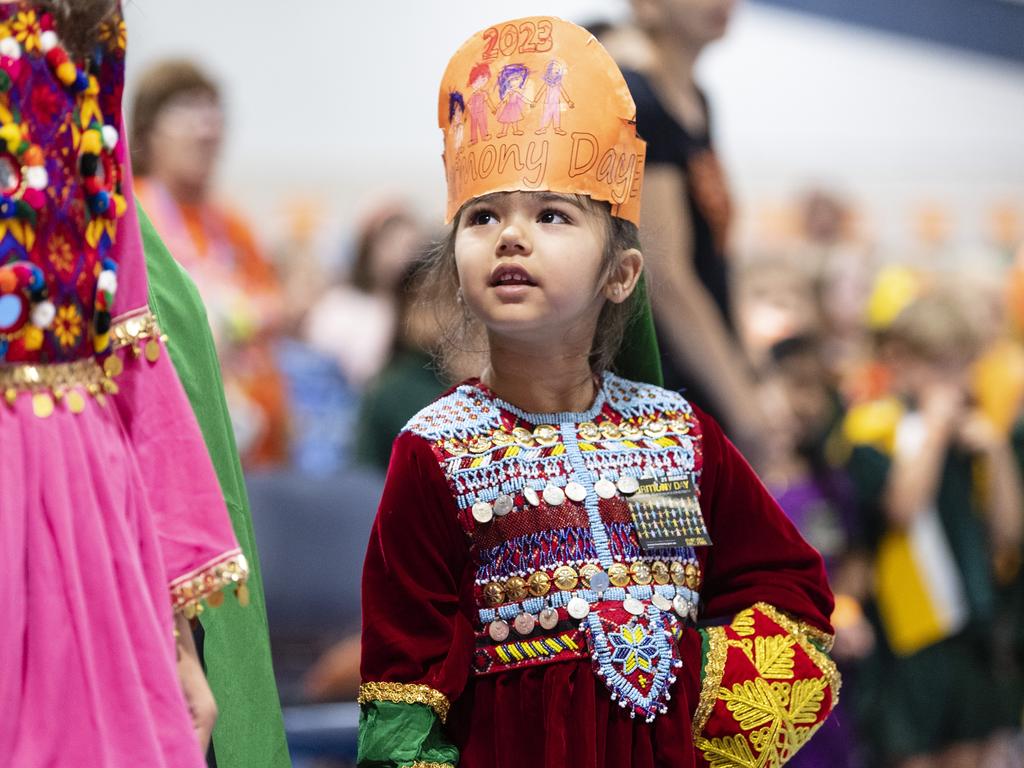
111, 517
550, 532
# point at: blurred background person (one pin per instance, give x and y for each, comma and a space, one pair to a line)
410, 379
177, 134
842, 266
687, 210
806, 474
356, 319
935, 525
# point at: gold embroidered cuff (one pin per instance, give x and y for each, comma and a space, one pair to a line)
406, 693
714, 670
811, 639
206, 583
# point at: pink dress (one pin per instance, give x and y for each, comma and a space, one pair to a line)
512, 110
110, 513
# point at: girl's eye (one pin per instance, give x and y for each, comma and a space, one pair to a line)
551, 216
482, 217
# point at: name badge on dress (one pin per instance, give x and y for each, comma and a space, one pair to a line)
666, 513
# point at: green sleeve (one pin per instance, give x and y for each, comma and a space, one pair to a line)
398, 735
236, 651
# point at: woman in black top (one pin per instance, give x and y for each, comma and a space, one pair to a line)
686, 212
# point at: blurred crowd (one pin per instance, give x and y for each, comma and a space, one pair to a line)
879, 392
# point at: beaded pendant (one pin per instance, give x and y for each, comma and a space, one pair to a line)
635, 656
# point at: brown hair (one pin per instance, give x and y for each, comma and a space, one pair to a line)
79, 21
361, 275
441, 287
937, 327
158, 85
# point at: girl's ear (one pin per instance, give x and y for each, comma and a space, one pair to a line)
623, 278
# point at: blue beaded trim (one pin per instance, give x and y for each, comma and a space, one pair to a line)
563, 417
582, 476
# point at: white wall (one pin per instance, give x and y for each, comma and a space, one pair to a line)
336, 99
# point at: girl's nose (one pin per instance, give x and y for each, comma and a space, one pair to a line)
513, 241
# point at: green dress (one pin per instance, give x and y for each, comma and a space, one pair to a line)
249, 730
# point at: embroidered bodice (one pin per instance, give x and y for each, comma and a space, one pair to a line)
560, 570
61, 162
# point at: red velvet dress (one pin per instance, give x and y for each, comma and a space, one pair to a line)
511, 612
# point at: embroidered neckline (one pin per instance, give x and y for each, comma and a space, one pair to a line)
555, 417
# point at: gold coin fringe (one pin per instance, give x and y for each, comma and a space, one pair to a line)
67, 383
140, 332
431, 765
208, 584
406, 693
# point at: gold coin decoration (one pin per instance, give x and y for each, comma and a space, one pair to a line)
502, 439
75, 401
113, 366
546, 435
618, 575
681, 426
641, 573
524, 437
454, 448
152, 350
566, 578
655, 428
660, 573
588, 431
539, 583
587, 571
42, 405
678, 573
515, 589
630, 431
692, 576
479, 444
494, 594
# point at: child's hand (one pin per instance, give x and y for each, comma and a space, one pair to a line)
942, 403
201, 704
198, 696
977, 434
854, 641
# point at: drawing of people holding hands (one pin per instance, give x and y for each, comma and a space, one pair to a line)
512, 98
553, 93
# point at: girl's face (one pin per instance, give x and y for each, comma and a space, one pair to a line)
530, 266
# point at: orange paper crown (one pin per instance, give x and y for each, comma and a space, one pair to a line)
538, 104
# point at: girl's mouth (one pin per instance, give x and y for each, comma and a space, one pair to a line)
511, 275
